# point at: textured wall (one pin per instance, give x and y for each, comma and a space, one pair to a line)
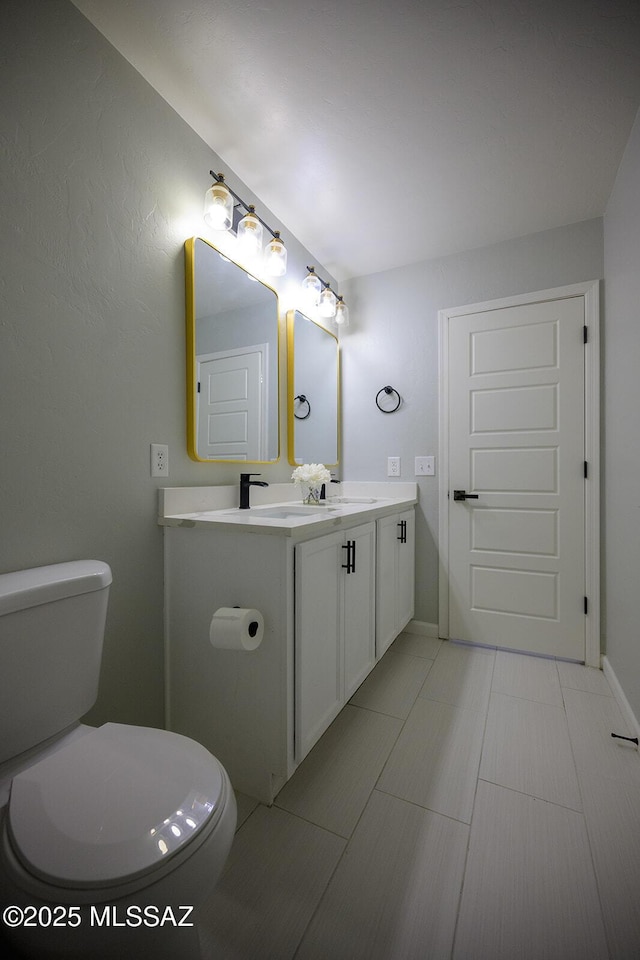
394, 340
101, 183
622, 437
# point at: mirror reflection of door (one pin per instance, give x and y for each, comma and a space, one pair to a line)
233, 404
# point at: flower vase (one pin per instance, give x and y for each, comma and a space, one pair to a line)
311, 497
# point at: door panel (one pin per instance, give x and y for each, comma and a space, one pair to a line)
516, 440
504, 530
519, 470
515, 408
525, 346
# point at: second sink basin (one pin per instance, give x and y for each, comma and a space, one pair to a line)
285, 512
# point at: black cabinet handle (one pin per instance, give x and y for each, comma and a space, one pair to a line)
403, 531
350, 547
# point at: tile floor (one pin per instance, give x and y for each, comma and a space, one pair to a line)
467, 804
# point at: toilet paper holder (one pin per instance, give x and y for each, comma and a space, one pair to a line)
236, 628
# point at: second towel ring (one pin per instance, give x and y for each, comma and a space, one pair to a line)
388, 391
302, 399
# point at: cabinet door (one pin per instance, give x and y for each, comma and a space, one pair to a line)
395, 577
406, 570
318, 638
386, 582
359, 606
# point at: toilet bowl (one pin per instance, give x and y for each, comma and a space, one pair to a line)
110, 837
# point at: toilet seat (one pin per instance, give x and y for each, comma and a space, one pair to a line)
116, 805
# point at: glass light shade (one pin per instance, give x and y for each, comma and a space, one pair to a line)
327, 304
218, 207
275, 257
311, 288
342, 313
250, 235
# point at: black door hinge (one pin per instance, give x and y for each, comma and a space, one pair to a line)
198, 386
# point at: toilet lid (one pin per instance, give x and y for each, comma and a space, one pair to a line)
113, 805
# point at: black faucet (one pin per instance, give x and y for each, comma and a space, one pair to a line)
245, 483
323, 489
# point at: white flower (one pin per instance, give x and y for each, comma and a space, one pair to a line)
313, 474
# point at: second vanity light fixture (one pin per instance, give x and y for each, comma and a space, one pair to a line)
319, 296
218, 214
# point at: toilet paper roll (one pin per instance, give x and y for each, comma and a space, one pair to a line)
236, 628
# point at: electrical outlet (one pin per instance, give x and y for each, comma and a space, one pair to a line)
425, 466
159, 460
393, 466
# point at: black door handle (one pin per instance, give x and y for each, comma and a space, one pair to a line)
463, 495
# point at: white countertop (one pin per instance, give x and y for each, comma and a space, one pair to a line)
352, 502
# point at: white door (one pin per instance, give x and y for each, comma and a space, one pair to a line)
230, 405
517, 448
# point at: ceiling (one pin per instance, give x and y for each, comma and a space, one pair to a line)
384, 133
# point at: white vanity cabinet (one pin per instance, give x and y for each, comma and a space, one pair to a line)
395, 576
334, 627
319, 579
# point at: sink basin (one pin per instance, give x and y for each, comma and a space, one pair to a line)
284, 512
354, 500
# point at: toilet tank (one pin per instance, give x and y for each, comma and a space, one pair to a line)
51, 630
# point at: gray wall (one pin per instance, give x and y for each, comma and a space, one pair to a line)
101, 184
622, 434
393, 341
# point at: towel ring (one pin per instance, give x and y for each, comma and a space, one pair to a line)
302, 399
388, 391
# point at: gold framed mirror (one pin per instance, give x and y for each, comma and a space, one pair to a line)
232, 360
313, 392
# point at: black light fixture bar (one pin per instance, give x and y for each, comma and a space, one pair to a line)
219, 178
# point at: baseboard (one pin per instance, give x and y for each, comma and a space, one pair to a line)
619, 694
421, 628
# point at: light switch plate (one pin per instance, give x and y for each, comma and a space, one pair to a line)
425, 466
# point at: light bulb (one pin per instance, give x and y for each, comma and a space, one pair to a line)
311, 288
250, 235
342, 313
218, 206
275, 257
327, 304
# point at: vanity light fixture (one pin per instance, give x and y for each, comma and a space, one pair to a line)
312, 288
275, 256
250, 234
342, 313
328, 301
318, 294
218, 214
218, 206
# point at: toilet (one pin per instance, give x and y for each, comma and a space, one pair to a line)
110, 837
